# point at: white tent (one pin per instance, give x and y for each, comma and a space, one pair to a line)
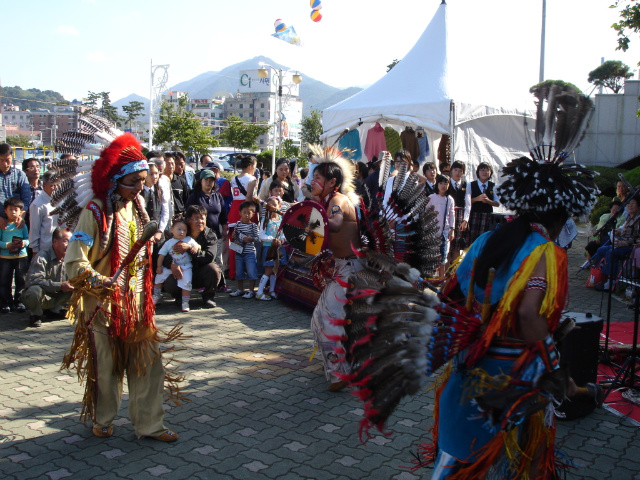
420, 92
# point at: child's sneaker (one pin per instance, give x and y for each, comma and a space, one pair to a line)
264, 297
248, 294
236, 293
157, 299
224, 289
185, 307
273, 295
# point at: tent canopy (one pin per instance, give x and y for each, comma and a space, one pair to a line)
419, 92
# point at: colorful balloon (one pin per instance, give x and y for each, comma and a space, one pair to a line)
315, 4
316, 16
280, 25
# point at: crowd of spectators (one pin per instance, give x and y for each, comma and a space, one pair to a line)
226, 223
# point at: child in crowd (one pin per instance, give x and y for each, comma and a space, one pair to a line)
268, 237
13, 256
276, 189
246, 235
179, 231
443, 204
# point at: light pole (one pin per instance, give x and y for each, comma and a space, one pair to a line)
160, 86
296, 79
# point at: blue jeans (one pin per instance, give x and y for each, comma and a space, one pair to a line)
246, 263
611, 264
10, 268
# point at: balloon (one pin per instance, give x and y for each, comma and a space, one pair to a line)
315, 4
280, 25
316, 16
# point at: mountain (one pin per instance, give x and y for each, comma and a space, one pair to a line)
314, 93
131, 98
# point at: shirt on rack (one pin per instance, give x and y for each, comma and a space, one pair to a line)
375, 142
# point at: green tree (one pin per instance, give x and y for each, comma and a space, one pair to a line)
18, 140
180, 128
133, 110
548, 83
311, 128
240, 134
392, 64
610, 74
91, 102
266, 158
629, 22
289, 150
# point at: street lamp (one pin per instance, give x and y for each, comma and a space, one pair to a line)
296, 79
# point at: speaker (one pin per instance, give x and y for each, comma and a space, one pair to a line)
579, 351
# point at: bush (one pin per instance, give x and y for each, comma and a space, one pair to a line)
266, 158
599, 208
607, 179
633, 176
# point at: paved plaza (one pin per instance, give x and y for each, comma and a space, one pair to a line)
259, 409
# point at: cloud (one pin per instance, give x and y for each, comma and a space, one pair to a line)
98, 56
67, 30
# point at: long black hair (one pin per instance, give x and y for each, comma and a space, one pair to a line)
503, 244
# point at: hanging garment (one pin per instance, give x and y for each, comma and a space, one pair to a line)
375, 142
410, 142
351, 141
393, 140
423, 146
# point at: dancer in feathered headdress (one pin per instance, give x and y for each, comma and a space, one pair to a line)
494, 414
115, 328
332, 186
494, 407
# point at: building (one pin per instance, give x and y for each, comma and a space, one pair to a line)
256, 101
44, 125
612, 137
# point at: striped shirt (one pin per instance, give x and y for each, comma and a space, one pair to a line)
14, 183
243, 230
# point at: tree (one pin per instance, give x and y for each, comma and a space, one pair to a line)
18, 140
610, 74
629, 22
265, 157
242, 135
392, 64
311, 127
180, 128
289, 150
133, 110
561, 83
100, 104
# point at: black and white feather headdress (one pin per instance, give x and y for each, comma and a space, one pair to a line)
545, 182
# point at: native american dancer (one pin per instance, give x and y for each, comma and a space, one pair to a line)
494, 413
115, 327
332, 185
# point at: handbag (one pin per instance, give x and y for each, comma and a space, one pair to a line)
596, 276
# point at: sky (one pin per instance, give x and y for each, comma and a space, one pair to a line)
77, 46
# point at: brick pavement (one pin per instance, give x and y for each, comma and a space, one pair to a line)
259, 409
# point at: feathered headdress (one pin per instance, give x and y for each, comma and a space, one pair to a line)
331, 155
78, 181
543, 182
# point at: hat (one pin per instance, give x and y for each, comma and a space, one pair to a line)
207, 174
212, 165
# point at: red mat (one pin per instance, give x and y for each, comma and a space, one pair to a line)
620, 333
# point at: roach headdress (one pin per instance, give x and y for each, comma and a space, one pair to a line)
544, 182
331, 155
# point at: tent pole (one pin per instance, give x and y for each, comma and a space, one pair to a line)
452, 127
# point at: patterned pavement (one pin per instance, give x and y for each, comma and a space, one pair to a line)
259, 409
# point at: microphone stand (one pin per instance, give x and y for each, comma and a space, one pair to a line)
612, 222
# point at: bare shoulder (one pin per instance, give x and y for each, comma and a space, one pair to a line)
340, 205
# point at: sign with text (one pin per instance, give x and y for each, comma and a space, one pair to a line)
250, 82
